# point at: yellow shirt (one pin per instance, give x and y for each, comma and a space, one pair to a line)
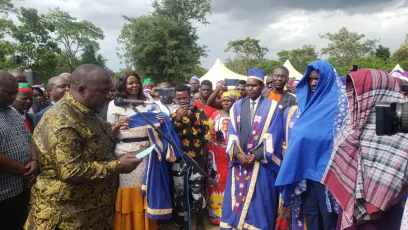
77, 186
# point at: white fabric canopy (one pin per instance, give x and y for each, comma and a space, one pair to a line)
397, 67
219, 72
293, 73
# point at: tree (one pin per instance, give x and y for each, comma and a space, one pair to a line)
300, 57
268, 66
73, 35
160, 48
401, 54
345, 46
183, 10
6, 6
89, 56
239, 65
382, 52
248, 53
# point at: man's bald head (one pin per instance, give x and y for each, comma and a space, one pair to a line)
57, 86
19, 75
66, 75
8, 88
91, 86
83, 74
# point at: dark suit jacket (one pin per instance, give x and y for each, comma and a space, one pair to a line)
245, 124
39, 115
286, 100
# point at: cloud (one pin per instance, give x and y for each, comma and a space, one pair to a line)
278, 24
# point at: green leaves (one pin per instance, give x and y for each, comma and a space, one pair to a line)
159, 48
345, 46
73, 35
300, 57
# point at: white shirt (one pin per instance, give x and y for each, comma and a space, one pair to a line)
256, 102
167, 108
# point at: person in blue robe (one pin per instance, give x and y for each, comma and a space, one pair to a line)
156, 185
254, 150
322, 105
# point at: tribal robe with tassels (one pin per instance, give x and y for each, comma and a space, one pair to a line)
250, 200
156, 185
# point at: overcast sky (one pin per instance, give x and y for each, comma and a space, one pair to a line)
283, 24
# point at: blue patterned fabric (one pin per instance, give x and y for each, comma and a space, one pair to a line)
321, 116
156, 184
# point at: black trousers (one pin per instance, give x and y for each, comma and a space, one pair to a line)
14, 211
315, 208
196, 189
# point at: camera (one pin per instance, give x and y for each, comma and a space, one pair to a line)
392, 117
191, 108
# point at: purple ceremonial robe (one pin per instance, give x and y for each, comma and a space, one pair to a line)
250, 200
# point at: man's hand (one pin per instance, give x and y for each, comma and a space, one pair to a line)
129, 163
181, 112
32, 169
222, 87
245, 160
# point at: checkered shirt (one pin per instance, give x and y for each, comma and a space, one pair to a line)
15, 144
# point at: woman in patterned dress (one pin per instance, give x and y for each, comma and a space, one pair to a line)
217, 160
130, 204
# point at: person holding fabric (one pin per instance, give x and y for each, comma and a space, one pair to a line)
130, 203
23, 103
254, 151
322, 105
205, 91
76, 188
367, 173
57, 87
191, 125
217, 161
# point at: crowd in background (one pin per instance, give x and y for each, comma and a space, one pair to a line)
286, 154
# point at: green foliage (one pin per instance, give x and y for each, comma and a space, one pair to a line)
89, 56
383, 52
240, 65
268, 65
160, 48
345, 46
6, 6
199, 71
300, 57
73, 35
401, 54
183, 10
248, 53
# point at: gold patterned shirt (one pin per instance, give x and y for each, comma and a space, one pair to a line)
77, 186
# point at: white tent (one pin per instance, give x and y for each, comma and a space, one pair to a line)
219, 72
397, 67
293, 73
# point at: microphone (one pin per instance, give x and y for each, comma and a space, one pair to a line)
122, 102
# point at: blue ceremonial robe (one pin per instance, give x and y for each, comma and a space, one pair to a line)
156, 178
250, 200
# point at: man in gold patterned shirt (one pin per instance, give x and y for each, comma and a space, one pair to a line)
77, 186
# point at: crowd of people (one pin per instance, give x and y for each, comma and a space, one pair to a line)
285, 154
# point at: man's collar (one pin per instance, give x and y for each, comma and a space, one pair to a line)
71, 100
256, 100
